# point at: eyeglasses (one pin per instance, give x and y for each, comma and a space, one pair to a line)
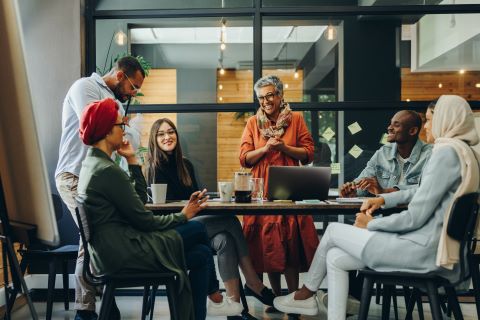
269, 96
133, 87
161, 134
122, 125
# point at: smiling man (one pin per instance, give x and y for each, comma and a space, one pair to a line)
121, 83
396, 165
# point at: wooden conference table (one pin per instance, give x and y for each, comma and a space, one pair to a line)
268, 208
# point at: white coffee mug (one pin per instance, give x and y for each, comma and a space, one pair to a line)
225, 189
159, 192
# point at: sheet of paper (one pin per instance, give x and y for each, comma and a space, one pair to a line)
354, 128
355, 151
383, 140
328, 134
335, 168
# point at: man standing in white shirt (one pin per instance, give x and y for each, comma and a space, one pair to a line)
122, 83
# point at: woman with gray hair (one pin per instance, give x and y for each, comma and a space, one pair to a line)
279, 137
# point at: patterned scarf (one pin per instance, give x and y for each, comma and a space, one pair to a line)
283, 121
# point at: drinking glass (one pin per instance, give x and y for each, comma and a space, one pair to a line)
257, 189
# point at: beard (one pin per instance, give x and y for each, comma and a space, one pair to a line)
119, 94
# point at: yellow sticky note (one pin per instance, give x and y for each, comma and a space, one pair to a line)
354, 128
335, 168
355, 151
383, 140
328, 134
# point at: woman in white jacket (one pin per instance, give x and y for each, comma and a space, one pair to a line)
413, 240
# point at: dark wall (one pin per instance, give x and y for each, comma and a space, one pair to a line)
370, 74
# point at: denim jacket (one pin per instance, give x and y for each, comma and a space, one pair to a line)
384, 166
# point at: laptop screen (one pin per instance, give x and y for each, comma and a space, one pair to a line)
298, 183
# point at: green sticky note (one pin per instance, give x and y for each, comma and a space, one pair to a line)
335, 168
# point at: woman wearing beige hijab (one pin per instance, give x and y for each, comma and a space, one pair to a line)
413, 240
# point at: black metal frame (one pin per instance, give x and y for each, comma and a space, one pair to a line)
258, 12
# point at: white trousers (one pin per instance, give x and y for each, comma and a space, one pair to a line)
339, 251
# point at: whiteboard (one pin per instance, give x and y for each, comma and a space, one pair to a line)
22, 166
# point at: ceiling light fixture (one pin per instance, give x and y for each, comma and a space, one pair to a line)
220, 87
223, 34
295, 74
330, 33
222, 70
120, 38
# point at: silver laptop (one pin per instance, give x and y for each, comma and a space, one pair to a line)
298, 183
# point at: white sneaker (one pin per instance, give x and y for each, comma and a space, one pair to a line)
353, 305
288, 304
227, 307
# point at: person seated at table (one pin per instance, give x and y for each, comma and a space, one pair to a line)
418, 230
397, 165
128, 238
166, 164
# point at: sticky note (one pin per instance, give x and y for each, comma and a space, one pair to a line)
328, 134
354, 128
355, 151
335, 168
383, 140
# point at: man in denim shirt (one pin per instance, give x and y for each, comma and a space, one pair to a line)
397, 165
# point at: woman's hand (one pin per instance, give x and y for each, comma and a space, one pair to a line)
197, 202
271, 142
369, 206
362, 220
126, 150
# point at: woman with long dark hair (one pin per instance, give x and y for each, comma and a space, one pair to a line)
166, 164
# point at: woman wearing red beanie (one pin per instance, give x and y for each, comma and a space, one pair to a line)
126, 236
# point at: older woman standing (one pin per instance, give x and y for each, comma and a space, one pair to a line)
279, 137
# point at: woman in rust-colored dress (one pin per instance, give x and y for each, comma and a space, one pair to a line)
279, 137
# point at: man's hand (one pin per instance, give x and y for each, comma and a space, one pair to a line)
369, 206
348, 190
370, 184
126, 150
197, 202
362, 220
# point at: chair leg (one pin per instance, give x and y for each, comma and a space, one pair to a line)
453, 304
434, 300
378, 287
65, 284
386, 298
153, 295
243, 299
474, 269
418, 296
107, 301
51, 287
409, 296
172, 303
146, 293
395, 305
366, 297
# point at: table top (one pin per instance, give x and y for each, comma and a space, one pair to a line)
265, 208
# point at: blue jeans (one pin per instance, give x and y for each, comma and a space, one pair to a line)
199, 259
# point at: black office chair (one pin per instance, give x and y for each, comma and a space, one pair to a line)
54, 256
123, 280
461, 226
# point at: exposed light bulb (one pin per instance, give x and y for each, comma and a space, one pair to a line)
223, 46
224, 26
286, 85
120, 38
440, 85
222, 71
477, 85
220, 98
295, 75
408, 100
220, 87
461, 71
330, 33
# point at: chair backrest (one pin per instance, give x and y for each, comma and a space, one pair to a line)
85, 234
461, 226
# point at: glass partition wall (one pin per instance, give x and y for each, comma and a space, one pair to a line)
348, 68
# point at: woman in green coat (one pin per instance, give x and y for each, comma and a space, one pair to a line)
127, 237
